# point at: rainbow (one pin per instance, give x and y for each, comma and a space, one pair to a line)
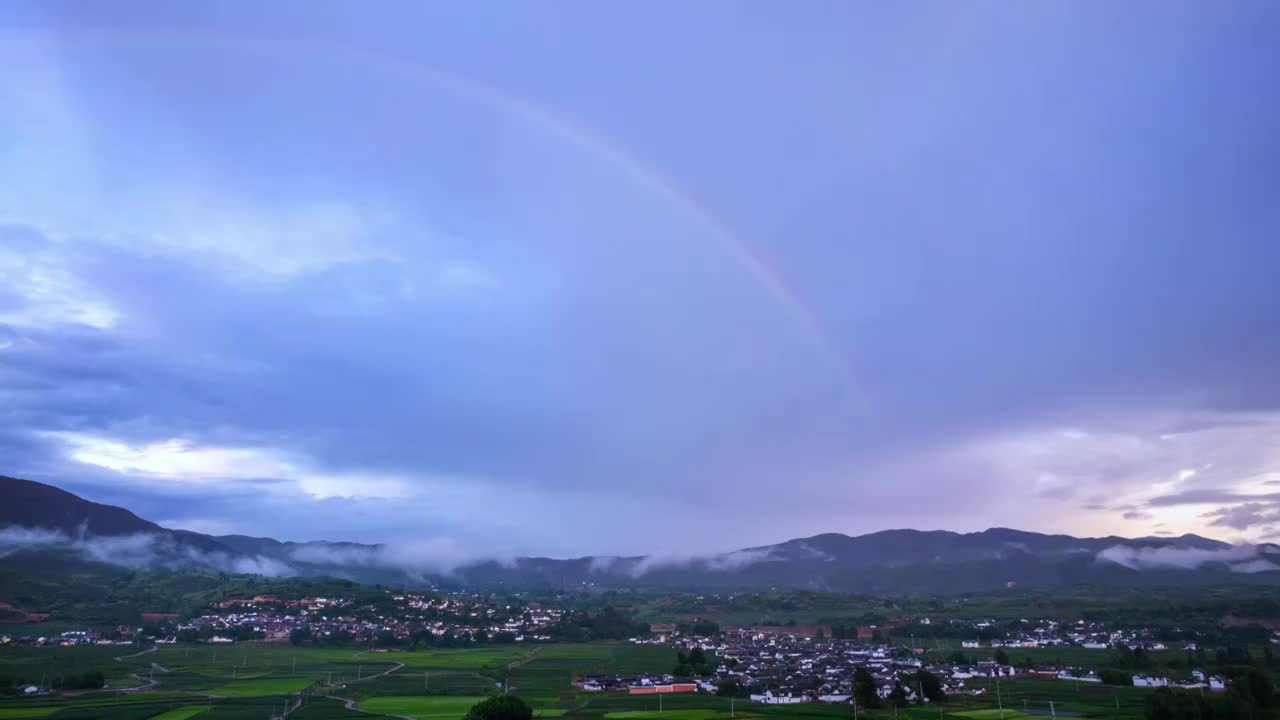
549, 120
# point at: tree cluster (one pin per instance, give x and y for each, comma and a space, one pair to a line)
608, 624
1251, 697
693, 662
500, 707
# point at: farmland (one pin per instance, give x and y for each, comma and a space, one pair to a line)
248, 681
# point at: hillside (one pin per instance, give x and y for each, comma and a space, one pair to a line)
34, 504
42, 520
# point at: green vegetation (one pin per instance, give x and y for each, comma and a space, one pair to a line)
79, 593
668, 715
254, 688
444, 684
990, 714
421, 706
183, 713
501, 707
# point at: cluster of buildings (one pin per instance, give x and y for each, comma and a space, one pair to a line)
67, 639
408, 618
1198, 680
638, 684
785, 666
785, 669
1053, 633
397, 619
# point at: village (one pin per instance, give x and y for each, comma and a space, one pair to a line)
779, 666
402, 619
767, 664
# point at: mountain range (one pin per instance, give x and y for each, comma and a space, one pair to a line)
39, 519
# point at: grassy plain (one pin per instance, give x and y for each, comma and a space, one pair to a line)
422, 706
247, 681
183, 713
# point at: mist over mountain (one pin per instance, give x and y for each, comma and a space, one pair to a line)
41, 519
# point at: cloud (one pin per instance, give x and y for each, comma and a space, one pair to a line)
1255, 566
1208, 497
181, 460
719, 562
603, 563
141, 550
1245, 516
417, 559
1136, 515
1239, 558
468, 295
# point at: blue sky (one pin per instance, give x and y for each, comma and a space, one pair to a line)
595, 278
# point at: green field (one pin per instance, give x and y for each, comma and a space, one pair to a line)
182, 713
990, 714
421, 706
670, 715
255, 688
251, 682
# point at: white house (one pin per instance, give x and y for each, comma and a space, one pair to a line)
768, 698
1149, 681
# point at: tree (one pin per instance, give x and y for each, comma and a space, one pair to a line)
1112, 676
705, 627
728, 688
421, 637
898, 696
682, 668
864, 688
1166, 704
1001, 657
1255, 688
298, 636
931, 686
1231, 706
500, 707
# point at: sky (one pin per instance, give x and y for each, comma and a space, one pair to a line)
574, 277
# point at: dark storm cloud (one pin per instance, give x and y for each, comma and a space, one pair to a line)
1038, 275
